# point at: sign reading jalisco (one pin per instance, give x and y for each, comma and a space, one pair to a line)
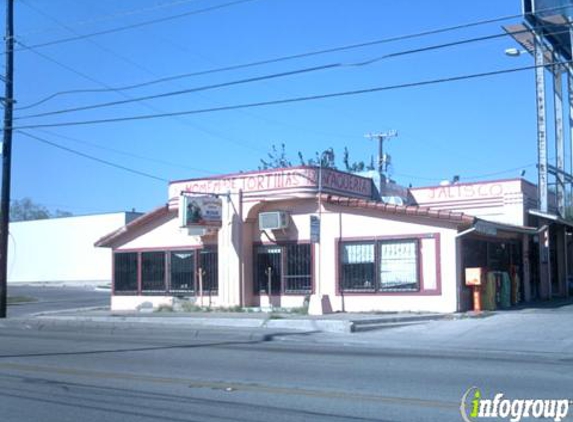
462, 192
292, 179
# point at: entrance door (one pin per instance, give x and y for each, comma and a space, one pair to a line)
269, 263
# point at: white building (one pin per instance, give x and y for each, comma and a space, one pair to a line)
304, 235
62, 250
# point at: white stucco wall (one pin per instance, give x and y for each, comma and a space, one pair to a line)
504, 201
160, 234
437, 240
437, 252
62, 249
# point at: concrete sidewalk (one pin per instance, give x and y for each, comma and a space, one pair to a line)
540, 332
543, 333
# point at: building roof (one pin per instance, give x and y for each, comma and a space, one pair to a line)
109, 239
406, 210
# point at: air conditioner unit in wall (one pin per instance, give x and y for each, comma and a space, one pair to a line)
274, 220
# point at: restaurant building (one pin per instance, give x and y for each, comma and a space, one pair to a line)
321, 238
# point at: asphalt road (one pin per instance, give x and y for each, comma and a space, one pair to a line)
51, 298
63, 374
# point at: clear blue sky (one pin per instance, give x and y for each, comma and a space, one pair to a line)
469, 128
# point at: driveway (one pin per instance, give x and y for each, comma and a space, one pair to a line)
55, 298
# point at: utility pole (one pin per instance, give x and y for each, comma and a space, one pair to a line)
6, 157
382, 162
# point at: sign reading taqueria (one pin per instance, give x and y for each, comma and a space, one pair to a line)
297, 178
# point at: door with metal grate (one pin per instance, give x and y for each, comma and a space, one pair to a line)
209, 266
268, 269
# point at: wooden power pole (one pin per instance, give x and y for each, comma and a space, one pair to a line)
8, 101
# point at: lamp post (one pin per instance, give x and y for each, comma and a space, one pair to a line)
315, 305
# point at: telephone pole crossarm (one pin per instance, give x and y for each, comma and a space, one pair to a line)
382, 162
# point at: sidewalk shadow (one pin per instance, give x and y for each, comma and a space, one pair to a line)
264, 338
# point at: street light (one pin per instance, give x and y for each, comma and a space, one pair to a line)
315, 304
514, 52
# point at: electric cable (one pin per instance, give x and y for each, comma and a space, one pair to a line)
271, 61
125, 153
330, 50
290, 100
105, 18
93, 158
83, 75
141, 24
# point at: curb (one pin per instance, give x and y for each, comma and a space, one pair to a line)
340, 326
111, 328
72, 310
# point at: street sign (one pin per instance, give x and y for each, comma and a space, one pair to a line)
314, 229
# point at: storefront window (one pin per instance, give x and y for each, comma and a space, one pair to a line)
382, 266
125, 273
358, 267
164, 272
183, 272
399, 266
153, 272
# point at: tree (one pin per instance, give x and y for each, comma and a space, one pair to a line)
325, 159
278, 158
25, 209
61, 213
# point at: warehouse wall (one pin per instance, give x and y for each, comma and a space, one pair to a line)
62, 249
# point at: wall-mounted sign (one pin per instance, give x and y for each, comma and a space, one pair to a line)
199, 211
474, 276
301, 179
314, 229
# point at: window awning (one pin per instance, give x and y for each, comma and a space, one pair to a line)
491, 228
551, 217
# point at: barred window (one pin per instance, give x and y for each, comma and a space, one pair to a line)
297, 277
358, 267
381, 266
125, 273
166, 272
182, 272
153, 272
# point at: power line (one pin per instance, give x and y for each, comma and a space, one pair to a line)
146, 70
108, 17
290, 100
312, 53
276, 75
184, 91
91, 157
83, 75
497, 173
471, 177
65, 66
141, 24
125, 153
